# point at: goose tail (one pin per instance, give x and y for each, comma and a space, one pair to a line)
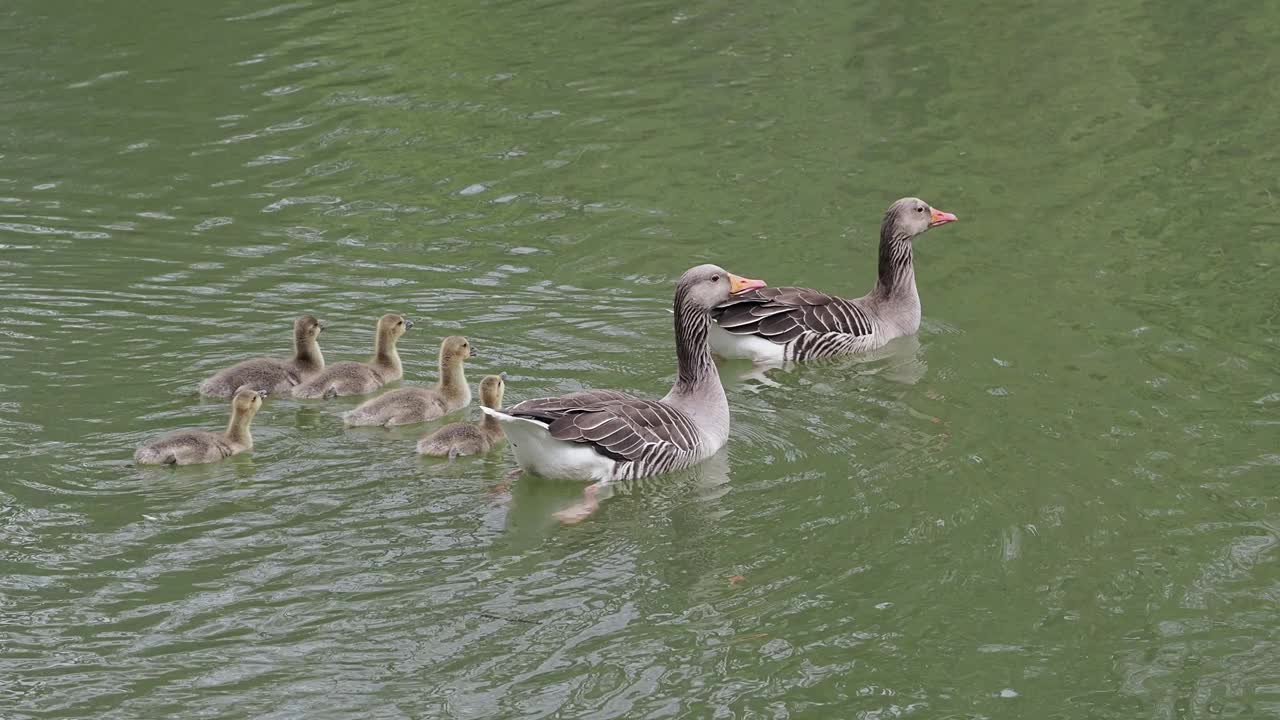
511, 421
524, 434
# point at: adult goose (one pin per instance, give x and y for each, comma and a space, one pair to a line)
605, 435
775, 325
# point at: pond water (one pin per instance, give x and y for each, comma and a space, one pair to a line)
1059, 501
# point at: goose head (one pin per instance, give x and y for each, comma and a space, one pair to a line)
706, 286
392, 326
247, 400
491, 389
455, 349
307, 327
910, 217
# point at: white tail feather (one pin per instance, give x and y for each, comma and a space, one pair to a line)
538, 452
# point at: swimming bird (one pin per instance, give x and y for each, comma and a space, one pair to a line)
273, 375
192, 447
405, 406
361, 378
606, 435
463, 438
775, 325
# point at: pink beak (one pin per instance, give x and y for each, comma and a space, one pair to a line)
940, 218
741, 284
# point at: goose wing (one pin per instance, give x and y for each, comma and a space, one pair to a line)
617, 425
782, 314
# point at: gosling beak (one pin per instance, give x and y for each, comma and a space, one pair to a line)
408, 323
940, 218
741, 284
263, 394
320, 324
503, 376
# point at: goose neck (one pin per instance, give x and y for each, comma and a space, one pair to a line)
697, 391
453, 377
386, 358
238, 428
897, 275
306, 353
694, 365
490, 426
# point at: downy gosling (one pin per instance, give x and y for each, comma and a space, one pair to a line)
273, 375
462, 438
192, 447
406, 406
361, 378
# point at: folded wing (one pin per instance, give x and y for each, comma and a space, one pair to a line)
783, 314
617, 425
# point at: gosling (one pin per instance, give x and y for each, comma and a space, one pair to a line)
271, 374
463, 438
192, 447
406, 406
356, 378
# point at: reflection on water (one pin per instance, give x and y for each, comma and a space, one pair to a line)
534, 500
1057, 500
897, 361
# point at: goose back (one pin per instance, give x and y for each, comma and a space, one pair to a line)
643, 437
805, 323
185, 447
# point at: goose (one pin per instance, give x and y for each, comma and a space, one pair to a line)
357, 378
192, 447
605, 435
410, 405
776, 325
463, 438
271, 374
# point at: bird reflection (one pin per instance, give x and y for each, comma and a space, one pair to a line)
897, 361
535, 502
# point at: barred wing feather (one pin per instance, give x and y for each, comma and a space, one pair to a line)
784, 314
617, 425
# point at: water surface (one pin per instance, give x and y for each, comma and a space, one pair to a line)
1060, 502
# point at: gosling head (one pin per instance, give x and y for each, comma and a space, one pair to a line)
910, 217
393, 326
455, 349
706, 286
307, 327
247, 400
491, 389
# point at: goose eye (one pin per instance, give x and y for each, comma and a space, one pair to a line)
920, 209
715, 278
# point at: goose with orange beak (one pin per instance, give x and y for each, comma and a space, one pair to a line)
604, 435
777, 325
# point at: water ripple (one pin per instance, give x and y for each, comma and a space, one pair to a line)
1058, 499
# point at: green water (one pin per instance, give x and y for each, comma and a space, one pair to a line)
1061, 502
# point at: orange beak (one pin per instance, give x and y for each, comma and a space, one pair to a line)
741, 284
940, 218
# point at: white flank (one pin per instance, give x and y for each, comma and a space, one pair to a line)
537, 452
745, 347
